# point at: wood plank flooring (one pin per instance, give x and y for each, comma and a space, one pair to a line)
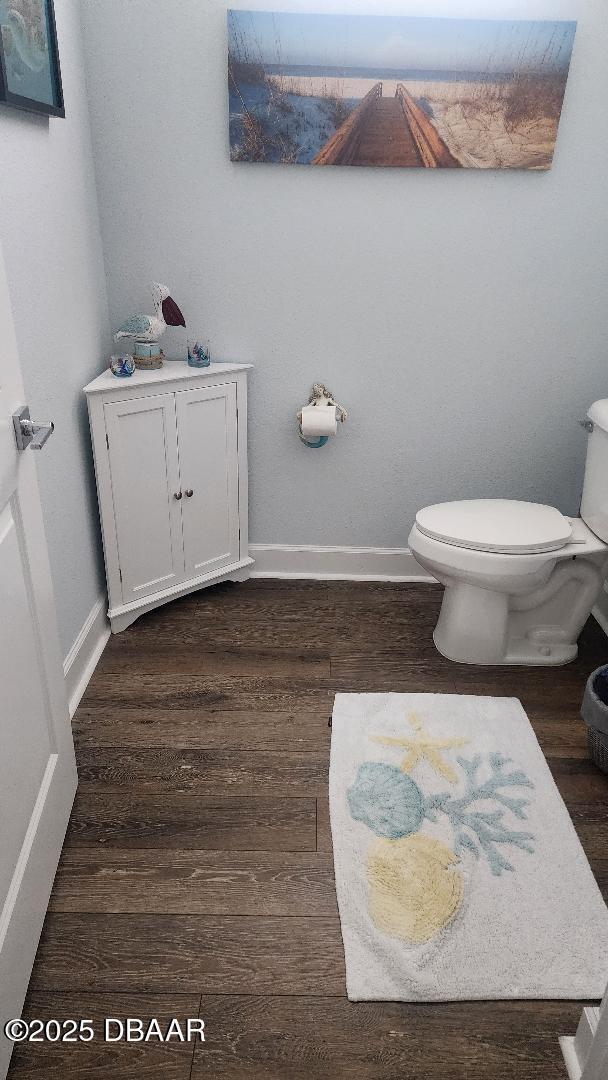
197, 879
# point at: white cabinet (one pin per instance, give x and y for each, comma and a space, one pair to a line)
170, 449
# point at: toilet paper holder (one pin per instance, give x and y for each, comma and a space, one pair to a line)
321, 397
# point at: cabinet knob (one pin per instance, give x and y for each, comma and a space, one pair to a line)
177, 495
189, 493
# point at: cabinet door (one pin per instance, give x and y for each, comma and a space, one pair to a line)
142, 445
208, 461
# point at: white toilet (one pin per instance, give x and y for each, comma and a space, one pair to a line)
520, 578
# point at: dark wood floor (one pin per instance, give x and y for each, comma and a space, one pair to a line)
197, 872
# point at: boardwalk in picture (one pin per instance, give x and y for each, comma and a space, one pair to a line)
386, 137
387, 131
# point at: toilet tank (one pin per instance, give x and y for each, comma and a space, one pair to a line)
594, 504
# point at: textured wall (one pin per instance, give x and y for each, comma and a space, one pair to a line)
460, 316
50, 236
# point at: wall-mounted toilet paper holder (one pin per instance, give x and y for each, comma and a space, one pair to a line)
321, 398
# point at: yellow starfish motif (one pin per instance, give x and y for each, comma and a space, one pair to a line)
421, 746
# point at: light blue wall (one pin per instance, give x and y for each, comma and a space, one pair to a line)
50, 237
460, 316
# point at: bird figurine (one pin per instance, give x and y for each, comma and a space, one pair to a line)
150, 328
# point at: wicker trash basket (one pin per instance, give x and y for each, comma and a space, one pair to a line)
594, 711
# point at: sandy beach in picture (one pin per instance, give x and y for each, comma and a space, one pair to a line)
466, 94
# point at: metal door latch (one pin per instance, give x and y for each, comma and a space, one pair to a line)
28, 432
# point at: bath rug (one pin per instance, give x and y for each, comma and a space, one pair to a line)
458, 871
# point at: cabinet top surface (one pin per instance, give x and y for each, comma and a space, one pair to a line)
171, 371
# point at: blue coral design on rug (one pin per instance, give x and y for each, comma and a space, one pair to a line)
415, 879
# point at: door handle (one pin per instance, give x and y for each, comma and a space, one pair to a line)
177, 495
189, 493
28, 432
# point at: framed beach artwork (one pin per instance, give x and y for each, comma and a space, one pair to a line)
399, 91
30, 76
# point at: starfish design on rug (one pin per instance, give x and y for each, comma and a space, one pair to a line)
421, 746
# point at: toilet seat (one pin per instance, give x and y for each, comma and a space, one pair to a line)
504, 526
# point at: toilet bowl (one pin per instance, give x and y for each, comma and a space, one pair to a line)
520, 578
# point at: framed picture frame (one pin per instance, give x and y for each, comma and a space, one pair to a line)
30, 73
432, 92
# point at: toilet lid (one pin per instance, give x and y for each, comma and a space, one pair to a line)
502, 525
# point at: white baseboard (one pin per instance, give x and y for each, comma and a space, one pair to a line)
335, 563
83, 657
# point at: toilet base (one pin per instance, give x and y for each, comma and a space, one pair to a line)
479, 626
520, 654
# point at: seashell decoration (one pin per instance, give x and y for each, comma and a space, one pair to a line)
416, 887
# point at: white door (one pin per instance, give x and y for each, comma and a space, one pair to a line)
208, 463
142, 445
586, 1053
37, 767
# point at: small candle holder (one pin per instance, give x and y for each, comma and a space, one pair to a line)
198, 356
122, 366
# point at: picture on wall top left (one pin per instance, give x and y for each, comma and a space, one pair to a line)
30, 76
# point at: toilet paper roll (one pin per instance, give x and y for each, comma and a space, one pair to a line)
318, 420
